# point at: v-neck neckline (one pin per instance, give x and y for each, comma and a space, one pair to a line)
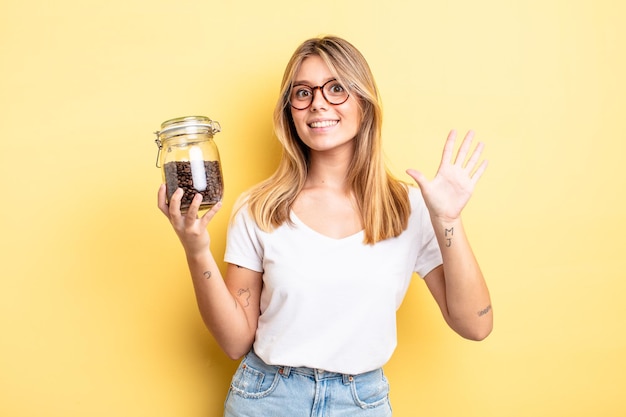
297, 220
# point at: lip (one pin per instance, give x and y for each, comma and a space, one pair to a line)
323, 123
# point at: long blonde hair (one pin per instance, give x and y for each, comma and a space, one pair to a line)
382, 200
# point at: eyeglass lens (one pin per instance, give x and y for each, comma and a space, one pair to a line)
302, 95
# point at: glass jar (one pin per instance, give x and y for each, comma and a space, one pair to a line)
189, 159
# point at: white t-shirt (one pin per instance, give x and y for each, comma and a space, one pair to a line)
331, 303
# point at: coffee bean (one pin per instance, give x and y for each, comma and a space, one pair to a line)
178, 175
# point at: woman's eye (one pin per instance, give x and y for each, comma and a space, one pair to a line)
303, 93
337, 88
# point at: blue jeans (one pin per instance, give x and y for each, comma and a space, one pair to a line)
261, 390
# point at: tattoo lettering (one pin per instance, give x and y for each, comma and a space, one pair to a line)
207, 274
246, 294
484, 311
448, 239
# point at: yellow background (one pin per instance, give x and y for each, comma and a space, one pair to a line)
97, 314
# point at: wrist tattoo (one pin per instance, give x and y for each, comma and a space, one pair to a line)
484, 311
207, 274
448, 232
244, 294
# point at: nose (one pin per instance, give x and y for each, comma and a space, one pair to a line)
318, 101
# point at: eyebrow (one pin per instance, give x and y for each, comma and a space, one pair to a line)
308, 84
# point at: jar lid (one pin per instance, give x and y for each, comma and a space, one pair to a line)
189, 124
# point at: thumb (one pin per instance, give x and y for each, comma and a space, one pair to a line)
208, 216
419, 178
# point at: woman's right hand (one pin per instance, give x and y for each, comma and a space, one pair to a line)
190, 229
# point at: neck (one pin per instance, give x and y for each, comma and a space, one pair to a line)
328, 171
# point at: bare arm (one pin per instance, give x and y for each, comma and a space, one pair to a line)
458, 286
229, 307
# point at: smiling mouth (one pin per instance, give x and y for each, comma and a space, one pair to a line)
324, 123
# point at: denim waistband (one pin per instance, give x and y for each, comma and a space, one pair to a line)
317, 374
314, 373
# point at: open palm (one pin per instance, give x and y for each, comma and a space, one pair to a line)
448, 193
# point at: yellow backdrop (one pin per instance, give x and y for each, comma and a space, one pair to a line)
97, 314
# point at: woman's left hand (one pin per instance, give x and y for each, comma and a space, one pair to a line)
448, 193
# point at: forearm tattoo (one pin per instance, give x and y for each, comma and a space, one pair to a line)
244, 295
484, 311
207, 274
448, 232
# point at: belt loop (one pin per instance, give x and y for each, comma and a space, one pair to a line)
284, 371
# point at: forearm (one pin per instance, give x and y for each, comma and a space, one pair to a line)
468, 304
219, 308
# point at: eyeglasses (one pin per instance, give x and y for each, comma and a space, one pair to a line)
302, 95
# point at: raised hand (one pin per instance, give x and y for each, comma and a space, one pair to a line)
448, 193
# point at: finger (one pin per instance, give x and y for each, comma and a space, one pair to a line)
208, 216
465, 147
174, 206
471, 163
448, 148
419, 178
479, 171
194, 208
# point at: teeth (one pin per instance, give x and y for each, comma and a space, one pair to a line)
324, 123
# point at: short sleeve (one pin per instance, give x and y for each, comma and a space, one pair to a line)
243, 244
429, 254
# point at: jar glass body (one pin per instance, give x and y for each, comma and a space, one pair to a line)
189, 159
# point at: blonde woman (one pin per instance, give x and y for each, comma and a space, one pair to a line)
320, 255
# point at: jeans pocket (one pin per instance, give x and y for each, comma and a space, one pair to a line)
371, 389
254, 382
